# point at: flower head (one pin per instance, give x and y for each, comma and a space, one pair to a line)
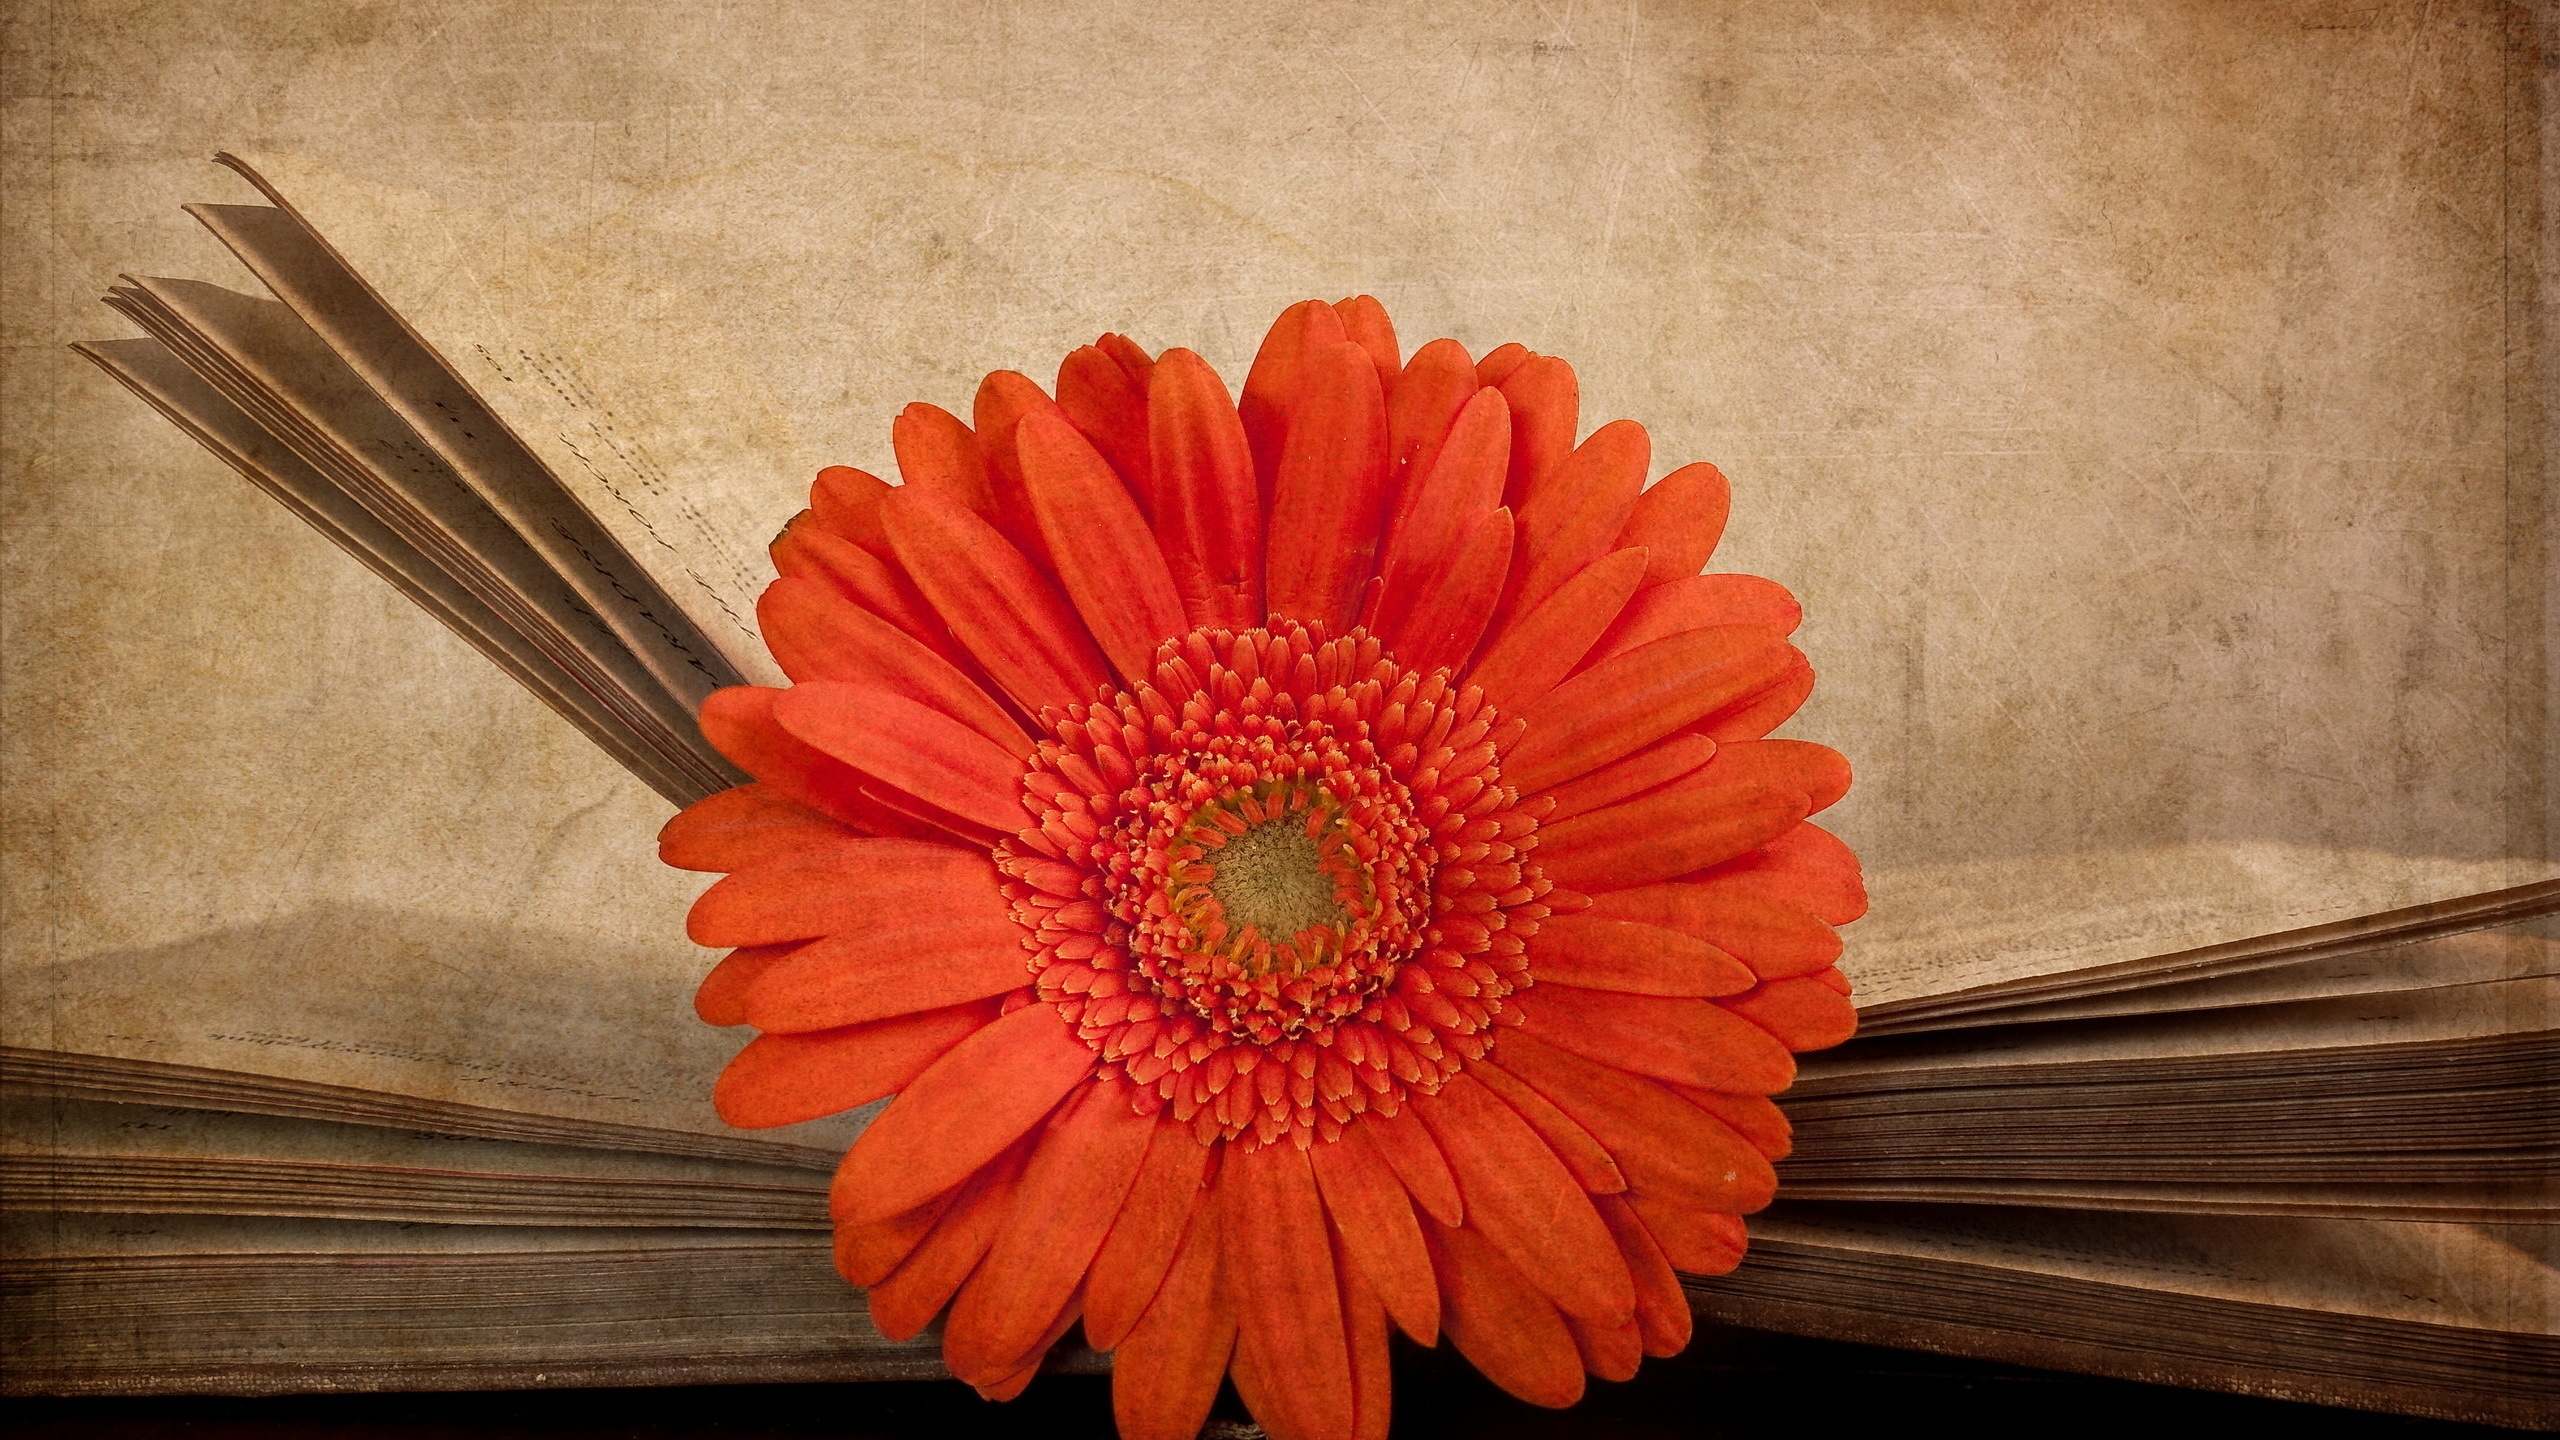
1303, 865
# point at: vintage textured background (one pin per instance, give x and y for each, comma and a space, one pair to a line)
2142, 397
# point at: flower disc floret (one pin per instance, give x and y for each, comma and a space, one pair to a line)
1279, 884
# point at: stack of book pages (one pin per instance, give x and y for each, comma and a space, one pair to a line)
2317, 1166
2251, 1116
315, 1160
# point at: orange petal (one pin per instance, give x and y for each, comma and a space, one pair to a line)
1521, 1198
1694, 1042
815, 634
1694, 602
1002, 609
1288, 1307
1546, 409
1755, 1118
1422, 405
1375, 1223
1137, 1254
960, 1113
1271, 387
1208, 506
1620, 706
919, 750
1804, 1013
785, 1079
903, 963
1129, 355
869, 1254
1365, 324
1165, 1375
1666, 1146
1572, 516
1106, 557
1451, 486
1597, 953
1818, 771
1679, 520
739, 723
1500, 1321
1612, 1352
1525, 656
1328, 500
1445, 623
1698, 1242
1079, 1175
927, 821
1500, 361
1662, 1307
1038, 1353
721, 1000
1774, 939
1584, 1156
916, 1291
1364, 1324
1670, 832
736, 828
1765, 709
844, 886
1004, 397
938, 455
1109, 406
1404, 1146
1013, 1385
1806, 867
877, 583
1648, 769
846, 502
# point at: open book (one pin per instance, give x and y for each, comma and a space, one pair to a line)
2254, 1115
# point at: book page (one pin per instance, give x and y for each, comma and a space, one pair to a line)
654, 426
50, 1126
2527, 951
2482, 1010
513, 1017
2458, 1203
148, 368
154, 1159
1945, 930
26, 1235
2476, 1277
264, 360
444, 412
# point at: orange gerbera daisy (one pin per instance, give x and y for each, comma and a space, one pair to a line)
1301, 865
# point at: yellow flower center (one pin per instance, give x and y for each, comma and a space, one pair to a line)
1272, 878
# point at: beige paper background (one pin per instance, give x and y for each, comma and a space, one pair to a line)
2143, 399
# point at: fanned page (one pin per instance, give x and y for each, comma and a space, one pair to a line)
25, 1235
688, 468
2492, 1010
506, 1018
449, 418
2473, 1277
153, 372
177, 1138
2022, 923
283, 375
2529, 951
